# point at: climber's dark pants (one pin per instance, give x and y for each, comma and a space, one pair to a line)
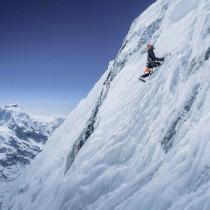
154, 64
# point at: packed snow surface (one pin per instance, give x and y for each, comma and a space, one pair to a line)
131, 145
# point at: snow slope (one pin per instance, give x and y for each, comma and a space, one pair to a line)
132, 145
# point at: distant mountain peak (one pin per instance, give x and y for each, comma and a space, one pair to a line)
14, 107
22, 137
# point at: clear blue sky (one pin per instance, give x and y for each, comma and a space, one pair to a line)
53, 51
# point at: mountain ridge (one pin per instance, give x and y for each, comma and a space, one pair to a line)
22, 138
132, 145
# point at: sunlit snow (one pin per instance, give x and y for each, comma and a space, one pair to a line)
148, 146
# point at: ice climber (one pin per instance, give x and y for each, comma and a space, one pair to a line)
152, 61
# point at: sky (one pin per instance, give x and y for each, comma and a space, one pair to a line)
53, 52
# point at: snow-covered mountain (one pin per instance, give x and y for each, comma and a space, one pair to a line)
22, 137
131, 145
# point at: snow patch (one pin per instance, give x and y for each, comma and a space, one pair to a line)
182, 8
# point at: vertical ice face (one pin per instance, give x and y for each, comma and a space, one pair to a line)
132, 145
182, 8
